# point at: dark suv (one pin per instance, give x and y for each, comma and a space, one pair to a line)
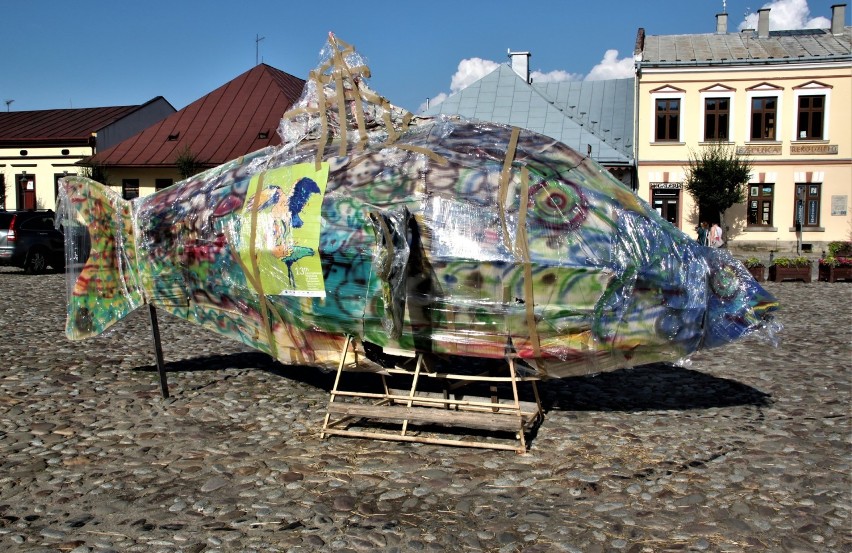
28, 239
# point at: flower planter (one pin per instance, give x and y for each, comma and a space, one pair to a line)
833, 274
778, 274
757, 272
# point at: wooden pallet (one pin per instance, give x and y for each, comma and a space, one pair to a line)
423, 416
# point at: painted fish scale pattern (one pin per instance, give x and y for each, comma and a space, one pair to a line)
438, 235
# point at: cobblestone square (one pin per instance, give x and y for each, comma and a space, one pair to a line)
745, 449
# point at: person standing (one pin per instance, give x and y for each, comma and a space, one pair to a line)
715, 236
702, 233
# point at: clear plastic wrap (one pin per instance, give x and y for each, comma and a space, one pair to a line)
434, 235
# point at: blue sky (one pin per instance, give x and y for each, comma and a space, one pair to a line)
90, 53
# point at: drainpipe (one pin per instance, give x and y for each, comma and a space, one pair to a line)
638, 50
636, 128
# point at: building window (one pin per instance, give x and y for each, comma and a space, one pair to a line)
2, 191
763, 118
716, 117
760, 205
807, 205
159, 184
811, 114
668, 120
129, 188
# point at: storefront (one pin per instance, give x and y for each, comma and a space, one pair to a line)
665, 198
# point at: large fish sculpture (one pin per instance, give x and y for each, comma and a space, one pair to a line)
435, 235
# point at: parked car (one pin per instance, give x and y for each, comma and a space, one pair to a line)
29, 239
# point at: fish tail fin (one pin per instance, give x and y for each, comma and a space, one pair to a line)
105, 287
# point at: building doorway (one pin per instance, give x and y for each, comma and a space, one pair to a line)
26, 188
666, 202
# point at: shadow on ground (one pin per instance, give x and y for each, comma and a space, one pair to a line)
649, 387
646, 388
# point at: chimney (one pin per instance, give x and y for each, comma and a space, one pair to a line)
838, 18
763, 23
721, 23
521, 64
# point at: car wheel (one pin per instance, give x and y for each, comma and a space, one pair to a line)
36, 262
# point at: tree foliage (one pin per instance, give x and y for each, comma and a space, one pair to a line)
187, 163
717, 177
96, 172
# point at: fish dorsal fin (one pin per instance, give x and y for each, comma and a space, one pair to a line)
337, 106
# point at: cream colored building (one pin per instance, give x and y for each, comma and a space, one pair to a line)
37, 148
783, 99
29, 175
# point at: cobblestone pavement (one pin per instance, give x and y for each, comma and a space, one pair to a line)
746, 449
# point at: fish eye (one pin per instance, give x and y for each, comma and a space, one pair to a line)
558, 204
725, 282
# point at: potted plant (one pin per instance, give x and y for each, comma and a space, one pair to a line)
790, 268
755, 267
837, 265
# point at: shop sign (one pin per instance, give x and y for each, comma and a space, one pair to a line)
666, 185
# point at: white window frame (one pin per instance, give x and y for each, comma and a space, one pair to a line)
668, 93
719, 92
813, 89
766, 91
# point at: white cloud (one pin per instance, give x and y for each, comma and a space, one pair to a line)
787, 15
437, 99
610, 67
469, 71
784, 15
554, 76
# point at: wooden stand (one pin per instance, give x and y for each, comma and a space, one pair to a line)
448, 409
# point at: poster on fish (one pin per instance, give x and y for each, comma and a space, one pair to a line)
282, 211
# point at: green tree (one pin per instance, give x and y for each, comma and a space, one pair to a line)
96, 172
717, 177
187, 163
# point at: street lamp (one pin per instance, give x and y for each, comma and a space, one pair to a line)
21, 191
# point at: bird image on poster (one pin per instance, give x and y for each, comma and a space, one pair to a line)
285, 204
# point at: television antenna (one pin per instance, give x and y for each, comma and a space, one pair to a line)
257, 39
8, 103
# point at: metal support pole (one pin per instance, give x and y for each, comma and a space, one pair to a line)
158, 352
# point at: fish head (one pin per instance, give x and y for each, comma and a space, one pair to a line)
736, 303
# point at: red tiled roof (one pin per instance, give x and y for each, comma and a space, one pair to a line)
57, 125
218, 127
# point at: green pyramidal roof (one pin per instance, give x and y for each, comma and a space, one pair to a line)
579, 113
